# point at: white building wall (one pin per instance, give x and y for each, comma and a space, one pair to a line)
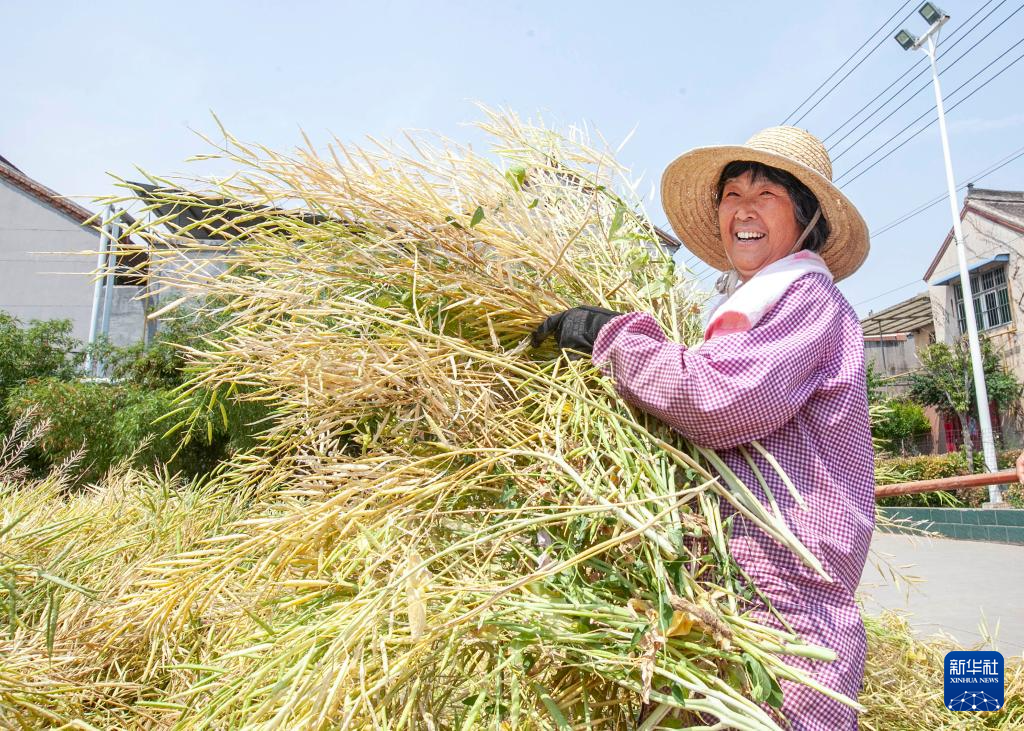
984, 240
47, 268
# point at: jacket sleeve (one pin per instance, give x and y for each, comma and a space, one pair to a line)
733, 388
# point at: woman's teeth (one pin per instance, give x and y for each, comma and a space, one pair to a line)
748, 235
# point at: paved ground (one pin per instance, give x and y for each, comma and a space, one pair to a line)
962, 583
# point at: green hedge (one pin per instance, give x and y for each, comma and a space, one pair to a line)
891, 470
107, 423
40, 371
37, 349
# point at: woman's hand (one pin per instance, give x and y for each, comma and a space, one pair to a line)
1020, 468
574, 329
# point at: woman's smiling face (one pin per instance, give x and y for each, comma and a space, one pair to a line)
757, 223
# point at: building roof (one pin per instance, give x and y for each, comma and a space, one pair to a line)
1007, 204
1005, 207
40, 192
189, 213
668, 239
904, 317
206, 217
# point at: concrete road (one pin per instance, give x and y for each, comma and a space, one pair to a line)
961, 584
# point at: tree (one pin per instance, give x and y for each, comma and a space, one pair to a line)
946, 381
874, 385
899, 424
40, 349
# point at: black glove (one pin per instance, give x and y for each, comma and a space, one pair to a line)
576, 328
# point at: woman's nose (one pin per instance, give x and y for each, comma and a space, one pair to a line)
745, 210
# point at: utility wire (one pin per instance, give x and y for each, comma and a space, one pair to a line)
931, 122
1005, 245
899, 220
922, 88
1016, 154
874, 48
896, 93
909, 69
850, 58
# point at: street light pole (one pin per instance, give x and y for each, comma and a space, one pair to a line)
928, 44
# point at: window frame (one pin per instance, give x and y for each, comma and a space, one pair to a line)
990, 287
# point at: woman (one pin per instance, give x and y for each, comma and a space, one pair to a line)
782, 363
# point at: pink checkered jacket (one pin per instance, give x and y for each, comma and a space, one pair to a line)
795, 382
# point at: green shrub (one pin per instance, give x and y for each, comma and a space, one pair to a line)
1015, 495
161, 364
107, 423
40, 366
40, 349
892, 470
899, 425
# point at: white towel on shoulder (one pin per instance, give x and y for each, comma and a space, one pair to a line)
745, 307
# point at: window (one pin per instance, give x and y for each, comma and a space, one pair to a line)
991, 300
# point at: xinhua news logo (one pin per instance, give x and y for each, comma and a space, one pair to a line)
974, 680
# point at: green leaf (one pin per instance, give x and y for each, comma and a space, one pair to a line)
680, 694
533, 203
617, 219
516, 176
67, 585
53, 612
763, 687
549, 703
637, 259
664, 613
653, 290
478, 216
638, 634
12, 605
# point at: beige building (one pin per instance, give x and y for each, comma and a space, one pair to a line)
893, 336
993, 228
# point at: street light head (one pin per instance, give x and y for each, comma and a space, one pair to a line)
931, 13
906, 40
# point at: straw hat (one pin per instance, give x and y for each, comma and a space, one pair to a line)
688, 195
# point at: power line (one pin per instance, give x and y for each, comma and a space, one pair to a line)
891, 291
931, 122
914, 95
938, 272
1018, 153
882, 105
850, 58
903, 218
874, 48
911, 68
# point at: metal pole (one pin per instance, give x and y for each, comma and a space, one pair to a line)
108, 298
881, 345
981, 391
98, 287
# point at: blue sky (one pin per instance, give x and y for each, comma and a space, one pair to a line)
106, 86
